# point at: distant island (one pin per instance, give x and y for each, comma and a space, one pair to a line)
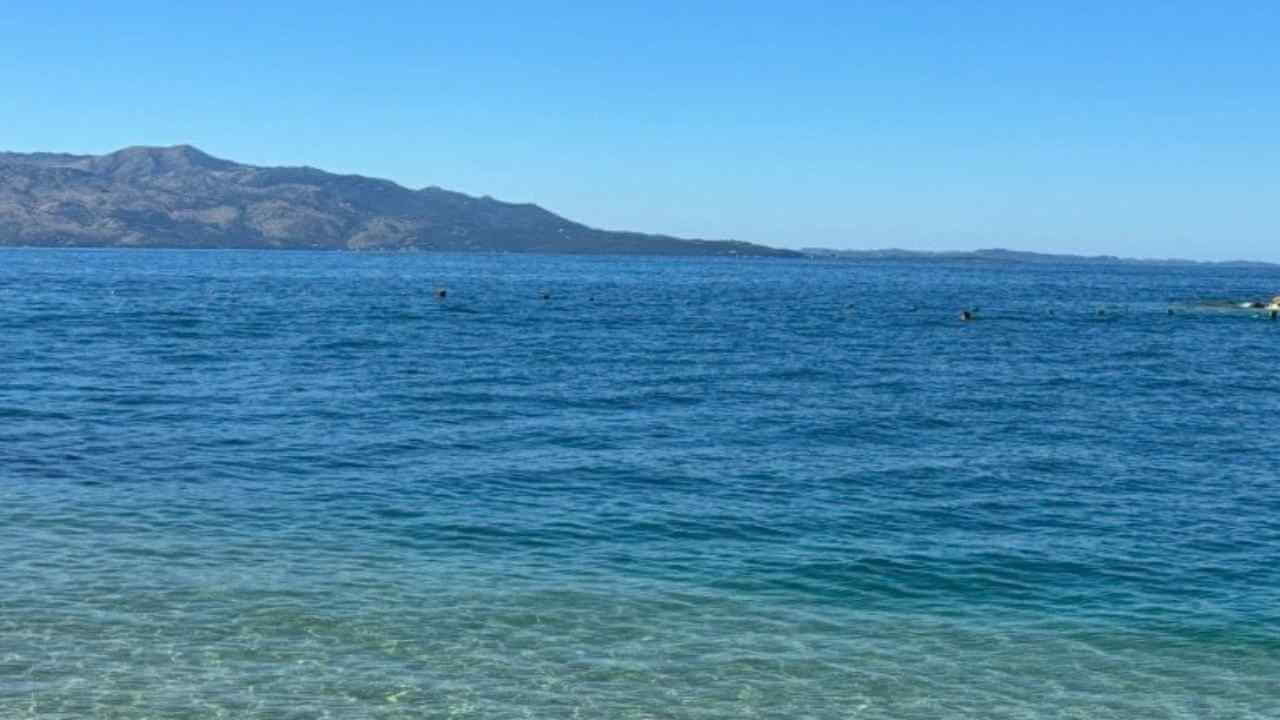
1004, 256
180, 197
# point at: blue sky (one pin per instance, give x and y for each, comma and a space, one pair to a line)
1138, 129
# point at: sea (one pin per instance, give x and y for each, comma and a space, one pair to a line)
239, 484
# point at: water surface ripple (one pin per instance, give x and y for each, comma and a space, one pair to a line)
296, 485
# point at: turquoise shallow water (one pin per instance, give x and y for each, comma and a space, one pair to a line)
295, 485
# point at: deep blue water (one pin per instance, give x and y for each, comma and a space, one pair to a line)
296, 485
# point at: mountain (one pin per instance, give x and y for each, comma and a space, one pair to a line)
180, 197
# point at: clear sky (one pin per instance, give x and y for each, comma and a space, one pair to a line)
1137, 128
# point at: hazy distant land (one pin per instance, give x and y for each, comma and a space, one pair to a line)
1006, 256
180, 197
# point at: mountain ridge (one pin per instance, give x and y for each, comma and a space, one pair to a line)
181, 197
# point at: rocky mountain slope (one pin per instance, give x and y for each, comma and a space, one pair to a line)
180, 197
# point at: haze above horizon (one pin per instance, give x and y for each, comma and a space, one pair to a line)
1141, 130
